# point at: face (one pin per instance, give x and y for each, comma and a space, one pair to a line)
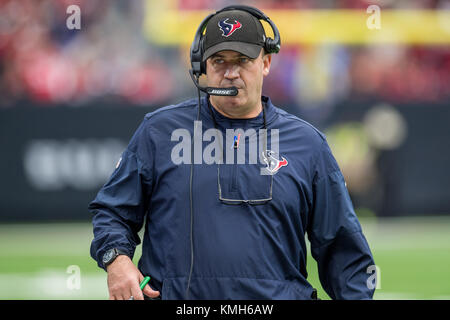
231, 68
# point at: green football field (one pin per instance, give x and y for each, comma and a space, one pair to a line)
41, 261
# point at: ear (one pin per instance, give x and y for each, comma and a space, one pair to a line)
267, 60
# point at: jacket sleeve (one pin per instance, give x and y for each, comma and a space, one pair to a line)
121, 204
337, 242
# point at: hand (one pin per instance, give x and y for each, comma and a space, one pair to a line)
124, 279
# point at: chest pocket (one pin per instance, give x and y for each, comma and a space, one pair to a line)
243, 180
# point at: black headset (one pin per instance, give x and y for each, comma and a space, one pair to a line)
197, 50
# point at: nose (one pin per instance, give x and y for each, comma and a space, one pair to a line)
232, 72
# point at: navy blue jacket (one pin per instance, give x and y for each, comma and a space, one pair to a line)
241, 250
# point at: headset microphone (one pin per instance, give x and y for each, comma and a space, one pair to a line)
213, 91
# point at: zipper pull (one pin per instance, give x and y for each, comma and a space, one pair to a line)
236, 141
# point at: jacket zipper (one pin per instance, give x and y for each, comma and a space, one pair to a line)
234, 172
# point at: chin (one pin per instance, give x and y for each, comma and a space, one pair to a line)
233, 101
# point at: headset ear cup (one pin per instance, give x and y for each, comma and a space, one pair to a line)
203, 67
197, 54
271, 46
202, 63
196, 62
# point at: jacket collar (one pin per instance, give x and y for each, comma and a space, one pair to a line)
224, 121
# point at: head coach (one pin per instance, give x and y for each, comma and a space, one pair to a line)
227, 186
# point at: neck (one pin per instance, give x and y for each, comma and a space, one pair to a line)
240, 113
215, 122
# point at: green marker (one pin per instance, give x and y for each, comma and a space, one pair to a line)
144, 282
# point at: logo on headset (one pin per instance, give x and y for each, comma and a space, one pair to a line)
229, 28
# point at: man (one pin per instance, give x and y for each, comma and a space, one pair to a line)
235, 228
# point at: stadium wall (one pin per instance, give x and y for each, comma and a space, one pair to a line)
54, 160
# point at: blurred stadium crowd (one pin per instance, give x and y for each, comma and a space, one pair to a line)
110, 61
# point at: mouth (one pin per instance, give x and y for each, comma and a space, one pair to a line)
239, 94
228, 85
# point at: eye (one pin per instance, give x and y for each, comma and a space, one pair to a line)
218, 61
243, 59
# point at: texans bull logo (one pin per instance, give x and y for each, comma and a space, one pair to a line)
229, 28
272, 161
